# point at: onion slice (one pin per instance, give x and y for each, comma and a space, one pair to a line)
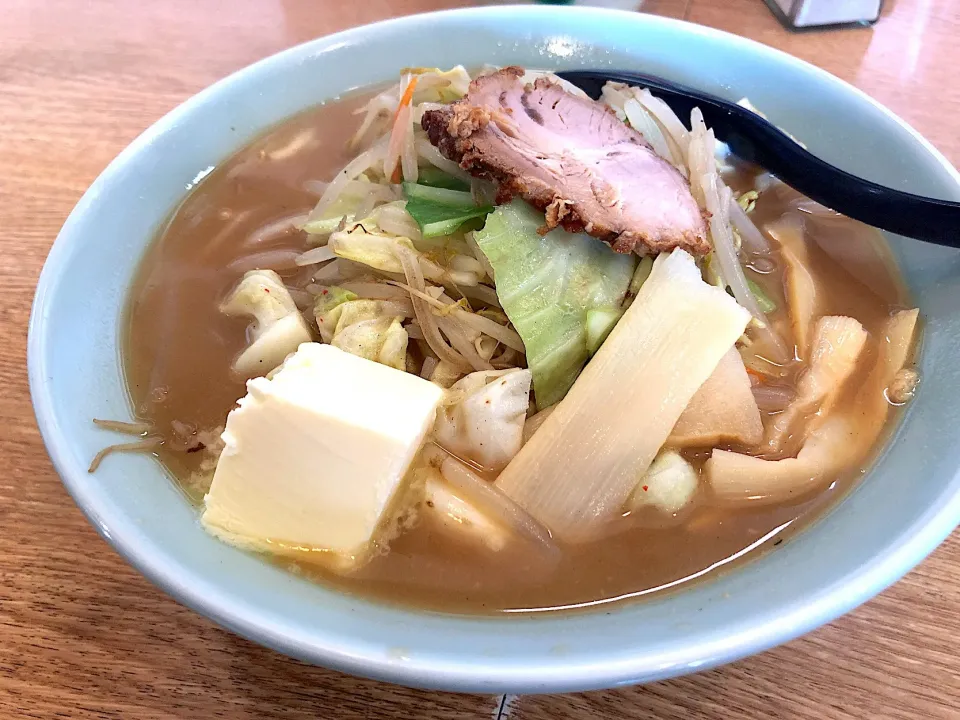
127, 428
753, 239
494, 503
429, 153
425, 318
482, 324
375, 290
315, 256
145, 445
361, 163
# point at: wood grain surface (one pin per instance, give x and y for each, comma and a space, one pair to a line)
83, 636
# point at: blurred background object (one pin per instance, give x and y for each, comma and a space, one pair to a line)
805, 14
614, 4
794, 14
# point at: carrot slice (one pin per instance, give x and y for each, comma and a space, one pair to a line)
396, 174
407, 96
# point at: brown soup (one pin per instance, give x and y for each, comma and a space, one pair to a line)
178, 350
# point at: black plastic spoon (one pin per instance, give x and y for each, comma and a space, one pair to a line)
755, 140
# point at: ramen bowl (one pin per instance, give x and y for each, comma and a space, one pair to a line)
905, 506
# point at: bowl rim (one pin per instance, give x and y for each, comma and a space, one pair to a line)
791, 620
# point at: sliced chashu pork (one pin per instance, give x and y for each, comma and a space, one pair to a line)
572, 158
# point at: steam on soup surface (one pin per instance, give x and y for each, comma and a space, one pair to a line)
556, 355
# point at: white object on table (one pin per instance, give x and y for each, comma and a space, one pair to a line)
812, 13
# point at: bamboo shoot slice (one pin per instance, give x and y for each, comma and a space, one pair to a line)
837, 345
738, 478
799, 286
722, 410
579, 468
843, 438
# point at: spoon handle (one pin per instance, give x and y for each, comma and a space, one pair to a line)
756, 140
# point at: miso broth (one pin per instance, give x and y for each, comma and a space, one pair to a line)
179, 347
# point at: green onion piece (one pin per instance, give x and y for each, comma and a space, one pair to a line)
436, 219
438, 196
599, 324
330, 297
767, 305
435, 177
640, 275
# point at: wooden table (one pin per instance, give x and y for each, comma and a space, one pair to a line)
83, 636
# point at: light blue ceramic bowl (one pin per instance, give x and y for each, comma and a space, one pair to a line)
907, 505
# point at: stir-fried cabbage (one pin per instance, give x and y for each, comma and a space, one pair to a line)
278, 327
377, 251
483, 420
372, 329
381, 339
327, 309
381, 252
547, 284
355, 204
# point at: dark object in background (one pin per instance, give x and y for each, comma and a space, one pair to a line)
820, 14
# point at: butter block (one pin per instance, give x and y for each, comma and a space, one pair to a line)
314, 456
